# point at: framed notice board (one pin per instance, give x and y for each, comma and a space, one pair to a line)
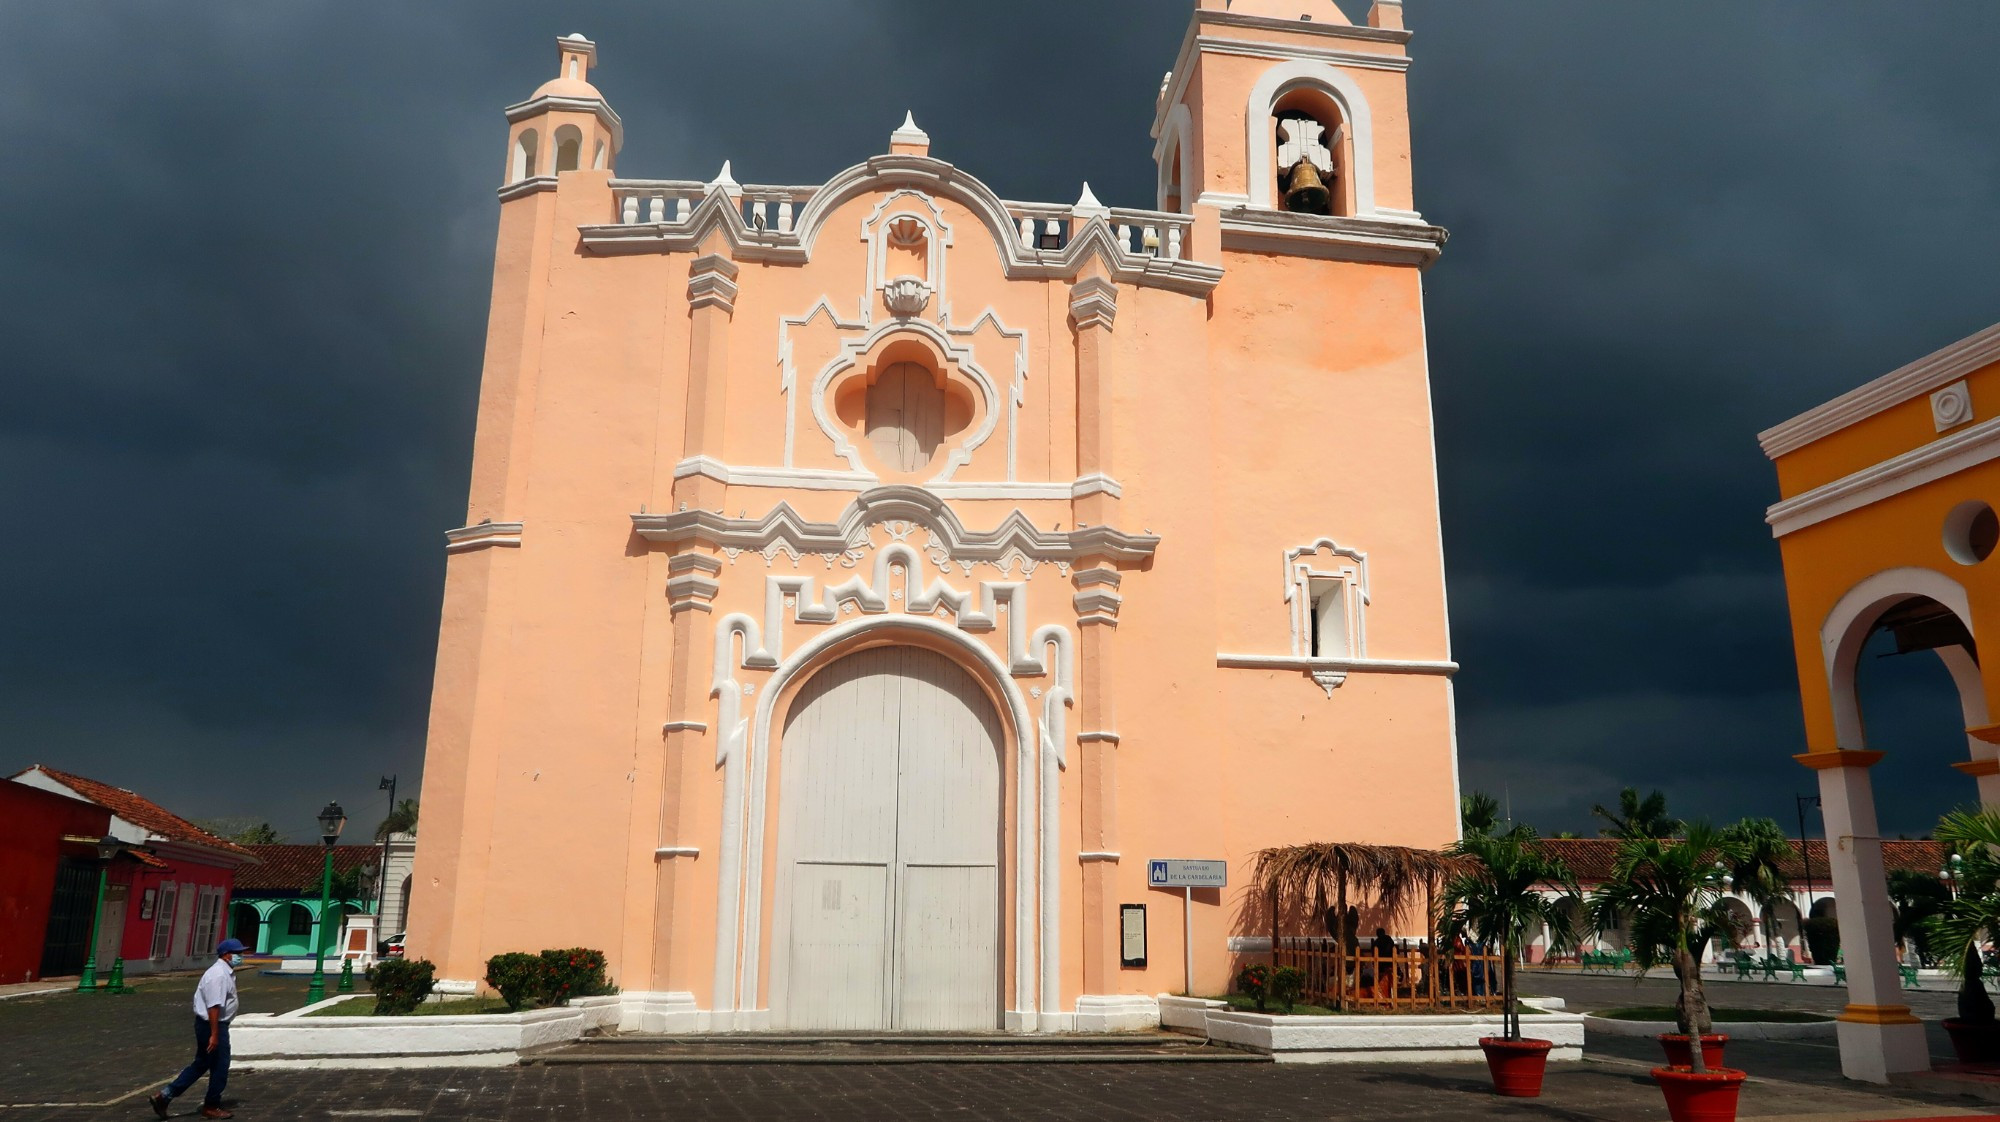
1132, 935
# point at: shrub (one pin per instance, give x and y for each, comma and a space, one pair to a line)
522, 979
400, 985
1254, 981
1285, 985
573, 972
1822, 938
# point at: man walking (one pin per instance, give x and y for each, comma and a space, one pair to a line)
214, 1008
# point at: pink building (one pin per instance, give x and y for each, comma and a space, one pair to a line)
863, 581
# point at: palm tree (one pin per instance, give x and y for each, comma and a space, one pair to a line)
1637, 817
402, 820
1759, 868
1500, 901
1673, 892
1916, 897
1973, 917
1478, 813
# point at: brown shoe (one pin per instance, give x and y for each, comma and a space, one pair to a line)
215, 1112
159, 1103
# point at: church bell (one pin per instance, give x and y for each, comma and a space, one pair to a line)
1305, 191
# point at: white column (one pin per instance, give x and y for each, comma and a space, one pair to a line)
1878, 1034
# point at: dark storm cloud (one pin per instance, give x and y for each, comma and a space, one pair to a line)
244, 253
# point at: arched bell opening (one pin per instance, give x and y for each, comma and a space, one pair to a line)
569, 148
1310, 138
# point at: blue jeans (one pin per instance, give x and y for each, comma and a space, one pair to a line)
214, 1064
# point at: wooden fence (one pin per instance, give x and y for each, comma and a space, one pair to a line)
1403, 981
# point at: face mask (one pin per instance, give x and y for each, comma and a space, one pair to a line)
236, 960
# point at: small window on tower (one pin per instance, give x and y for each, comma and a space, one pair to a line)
906, 416
524, 155
569, 148
1329, 619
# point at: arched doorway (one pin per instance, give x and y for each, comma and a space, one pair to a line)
245, 923
888, 891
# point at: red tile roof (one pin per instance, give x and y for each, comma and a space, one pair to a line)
290, 868
138, 810
1591, 858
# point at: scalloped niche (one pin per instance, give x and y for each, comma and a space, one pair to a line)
905, 408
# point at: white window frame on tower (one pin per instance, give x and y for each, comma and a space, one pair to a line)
1326, 589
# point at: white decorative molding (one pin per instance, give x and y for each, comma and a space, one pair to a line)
1346, 93
1951, 406
908, 132
684, 726
1928, 373
1091, 239
906, 296
1332, 237
1017, 396
1093, 302
712, 282
481, 535
955, 354
1947, 455
1172, 140
823, 479
890, 222
1015, 541
1302, 568
534, 184
1097, 737
668, 851
691, 583
1342, 665
1090, 855
1096, 483
554, 103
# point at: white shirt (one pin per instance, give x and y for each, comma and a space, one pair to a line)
217, 987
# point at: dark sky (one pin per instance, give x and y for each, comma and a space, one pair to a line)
245, 252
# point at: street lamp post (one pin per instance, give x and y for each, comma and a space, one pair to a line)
382, 877
107, 848
330, 822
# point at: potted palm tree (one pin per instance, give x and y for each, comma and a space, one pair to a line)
1965, 922
1499, 899
1672, 890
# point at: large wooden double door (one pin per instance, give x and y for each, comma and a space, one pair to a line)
889, 844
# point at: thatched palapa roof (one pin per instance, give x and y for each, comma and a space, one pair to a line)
1391, 875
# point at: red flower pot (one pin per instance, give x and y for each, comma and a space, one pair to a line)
1676, 1047
1975, 1044
1708, 1096
1517, 1065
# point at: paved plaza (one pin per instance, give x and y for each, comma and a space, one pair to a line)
71, 1057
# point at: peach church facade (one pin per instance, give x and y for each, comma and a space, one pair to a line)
862, 581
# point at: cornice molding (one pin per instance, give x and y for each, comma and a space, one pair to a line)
1015, 534
1172, 90
1332, 237
1093, 302
481, 535
1947, 455
712, 282
521, 188
1934, 370
1336, 665
558, 103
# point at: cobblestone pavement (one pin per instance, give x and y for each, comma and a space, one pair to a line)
72, 1047
1614, 1087
102, 1053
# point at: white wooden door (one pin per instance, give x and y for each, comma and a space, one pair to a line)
890, 824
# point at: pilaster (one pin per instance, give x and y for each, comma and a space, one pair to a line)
1093, 307
691, 587
711, 293
1097, 602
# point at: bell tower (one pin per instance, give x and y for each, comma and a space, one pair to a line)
1287, 106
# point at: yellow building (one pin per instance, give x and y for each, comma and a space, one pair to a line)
1885, 524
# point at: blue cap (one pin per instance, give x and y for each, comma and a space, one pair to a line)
231, 946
